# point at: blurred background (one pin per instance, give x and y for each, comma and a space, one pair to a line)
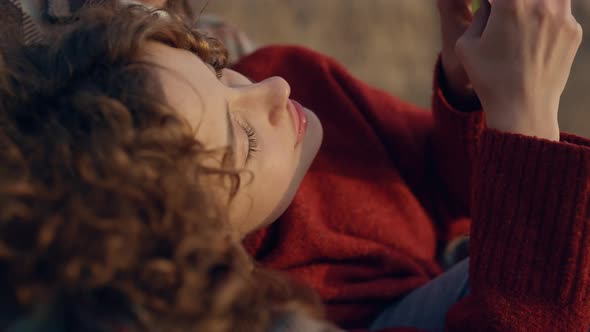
392, 44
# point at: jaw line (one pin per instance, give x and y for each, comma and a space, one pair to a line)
300, 171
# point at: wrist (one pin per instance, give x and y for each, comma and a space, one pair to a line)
518, 120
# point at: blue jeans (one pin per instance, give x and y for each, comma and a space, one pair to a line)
426, 308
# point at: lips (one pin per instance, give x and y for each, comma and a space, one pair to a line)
299, 120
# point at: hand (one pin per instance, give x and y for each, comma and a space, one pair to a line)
455, 19
518, 55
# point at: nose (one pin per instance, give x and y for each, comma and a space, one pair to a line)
269, 96
276, 90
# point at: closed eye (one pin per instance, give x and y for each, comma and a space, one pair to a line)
252, 139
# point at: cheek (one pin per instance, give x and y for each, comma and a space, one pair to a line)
280, 167
276, 180
262, 199
273, 182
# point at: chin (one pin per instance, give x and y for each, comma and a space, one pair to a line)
310, 147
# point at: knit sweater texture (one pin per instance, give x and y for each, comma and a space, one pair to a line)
393, 183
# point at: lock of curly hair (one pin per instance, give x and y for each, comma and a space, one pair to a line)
104, 197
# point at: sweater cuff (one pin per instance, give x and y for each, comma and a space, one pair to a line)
443, 94
455, 141
462, 126
573, 139
530, 234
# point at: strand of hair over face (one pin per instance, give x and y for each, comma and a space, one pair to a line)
103, 189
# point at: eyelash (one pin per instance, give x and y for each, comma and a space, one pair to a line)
252, 139
248, 129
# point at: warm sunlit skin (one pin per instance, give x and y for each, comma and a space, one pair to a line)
257, 119
518, 55
517, 98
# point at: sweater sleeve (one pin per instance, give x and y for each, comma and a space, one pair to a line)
457, 129
530, 248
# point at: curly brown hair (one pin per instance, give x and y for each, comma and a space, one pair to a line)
105, 202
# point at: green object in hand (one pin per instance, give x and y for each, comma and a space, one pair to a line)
475, 5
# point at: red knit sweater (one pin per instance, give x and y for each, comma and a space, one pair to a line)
393, 182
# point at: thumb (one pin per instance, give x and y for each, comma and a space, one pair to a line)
480, 21
467, 44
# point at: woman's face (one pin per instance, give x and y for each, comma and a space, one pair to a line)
272, 137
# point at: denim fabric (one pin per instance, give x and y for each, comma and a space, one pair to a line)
426, 308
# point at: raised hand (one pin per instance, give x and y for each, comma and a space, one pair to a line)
518, 55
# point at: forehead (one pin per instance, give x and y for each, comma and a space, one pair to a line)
192, 89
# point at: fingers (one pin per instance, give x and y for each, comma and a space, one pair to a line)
480, 21
505, 12
567, 4
534, 6
517, 53
474, 32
